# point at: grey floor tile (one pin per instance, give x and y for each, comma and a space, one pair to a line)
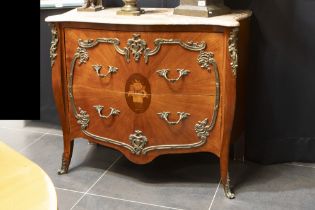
311, 165
87, 164
38, 126
180, 181
66, 199
274, 187
101, 203
18, 139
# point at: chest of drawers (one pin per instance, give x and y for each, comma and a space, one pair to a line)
150, 85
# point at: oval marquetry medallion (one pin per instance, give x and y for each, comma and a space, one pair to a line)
138, 93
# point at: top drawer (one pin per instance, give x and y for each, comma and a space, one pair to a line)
170, 61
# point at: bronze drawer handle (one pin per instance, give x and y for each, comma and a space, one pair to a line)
164, 72
111, 69
113, 112
182, 116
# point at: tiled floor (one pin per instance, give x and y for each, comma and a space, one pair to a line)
101, 178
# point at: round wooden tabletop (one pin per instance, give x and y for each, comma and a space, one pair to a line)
23, 184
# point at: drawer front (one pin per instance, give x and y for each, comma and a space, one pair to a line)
169, 123
179, 122
172, 65
118, 98
101, 113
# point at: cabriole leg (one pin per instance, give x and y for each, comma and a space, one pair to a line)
227, 188
66, 157
225, 179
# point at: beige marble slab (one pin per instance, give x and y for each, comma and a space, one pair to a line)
153, 16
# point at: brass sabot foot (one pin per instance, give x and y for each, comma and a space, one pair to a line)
227, 188
64, 166
228, 193
62, 171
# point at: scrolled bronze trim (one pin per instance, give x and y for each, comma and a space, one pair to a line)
54, 43
134, 44
206, 60
233, 50
202, 140
202, 128
202, 131
89, 43
137, 46
192, 46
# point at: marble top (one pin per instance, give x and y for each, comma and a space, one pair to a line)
152, 16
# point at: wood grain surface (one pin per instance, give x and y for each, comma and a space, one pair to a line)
194, 93
171, 57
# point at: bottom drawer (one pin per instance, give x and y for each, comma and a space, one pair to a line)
170, 122
178, 122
